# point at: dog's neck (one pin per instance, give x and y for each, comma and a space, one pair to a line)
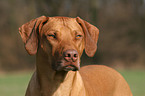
48, 79
52, 82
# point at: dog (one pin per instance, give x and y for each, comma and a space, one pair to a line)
58, 43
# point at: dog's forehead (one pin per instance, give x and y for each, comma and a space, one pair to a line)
59, 22
62, 20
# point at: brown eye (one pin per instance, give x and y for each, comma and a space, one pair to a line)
78, 36
51, 35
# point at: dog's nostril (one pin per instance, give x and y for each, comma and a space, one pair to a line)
75, 55
68, 55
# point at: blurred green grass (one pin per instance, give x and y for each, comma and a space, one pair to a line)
136, 81
15, 84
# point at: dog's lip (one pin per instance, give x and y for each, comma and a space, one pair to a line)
65, 66
70, 67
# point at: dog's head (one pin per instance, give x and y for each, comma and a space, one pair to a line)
63, 39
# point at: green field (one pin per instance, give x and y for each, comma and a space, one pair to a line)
136, 81
16, 84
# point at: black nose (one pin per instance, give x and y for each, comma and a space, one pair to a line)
70, 55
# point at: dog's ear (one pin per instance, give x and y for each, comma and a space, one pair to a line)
29, 33
91, 36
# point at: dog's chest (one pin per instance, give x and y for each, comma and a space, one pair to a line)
72, 85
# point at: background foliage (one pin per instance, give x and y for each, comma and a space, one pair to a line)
121, 24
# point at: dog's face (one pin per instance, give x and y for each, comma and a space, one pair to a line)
63, 39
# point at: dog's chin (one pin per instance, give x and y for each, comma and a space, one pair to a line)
69, 67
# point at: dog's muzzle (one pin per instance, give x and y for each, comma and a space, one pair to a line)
69, 61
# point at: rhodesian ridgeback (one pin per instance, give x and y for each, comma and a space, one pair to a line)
58, 43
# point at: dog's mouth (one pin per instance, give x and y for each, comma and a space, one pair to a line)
70, 68
61, 66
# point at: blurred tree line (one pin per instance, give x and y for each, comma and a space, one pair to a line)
121, 24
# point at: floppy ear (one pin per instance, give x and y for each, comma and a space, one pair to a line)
91, 36
29, 32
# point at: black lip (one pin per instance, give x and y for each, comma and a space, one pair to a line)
70, 67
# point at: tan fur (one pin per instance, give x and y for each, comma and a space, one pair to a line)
73, 88
52, 37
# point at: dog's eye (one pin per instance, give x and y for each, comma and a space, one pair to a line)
78, 36
51, 36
